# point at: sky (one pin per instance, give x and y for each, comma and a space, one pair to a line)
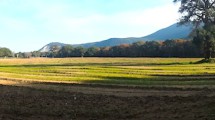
28, 25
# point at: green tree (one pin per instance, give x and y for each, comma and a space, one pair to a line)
92, 51
104, 52
5, 52
200, 12
151, 49
66, 51
137, 49
205, 40
78, 52
35, 54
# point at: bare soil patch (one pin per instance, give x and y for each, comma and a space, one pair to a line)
46, 101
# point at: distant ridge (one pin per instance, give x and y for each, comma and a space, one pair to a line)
112, 42
172, 32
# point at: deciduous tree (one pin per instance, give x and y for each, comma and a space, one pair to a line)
200, 12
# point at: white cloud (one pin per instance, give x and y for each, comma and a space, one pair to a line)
60, 22
100, 26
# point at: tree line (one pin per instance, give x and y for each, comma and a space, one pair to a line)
168, 48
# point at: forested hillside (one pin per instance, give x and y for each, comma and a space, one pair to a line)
168, 48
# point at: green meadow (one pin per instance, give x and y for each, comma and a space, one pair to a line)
119, 71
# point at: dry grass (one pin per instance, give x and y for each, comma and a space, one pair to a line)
124, 71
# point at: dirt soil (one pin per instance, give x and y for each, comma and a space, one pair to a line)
55, 101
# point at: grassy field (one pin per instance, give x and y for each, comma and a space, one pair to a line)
107, 89
124, 71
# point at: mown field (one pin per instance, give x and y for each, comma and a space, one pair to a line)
124, 71
107, 89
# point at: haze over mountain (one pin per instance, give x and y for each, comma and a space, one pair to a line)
172, 32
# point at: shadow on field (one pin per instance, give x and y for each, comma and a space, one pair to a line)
29, 103
201, 79
96, 64
206, 76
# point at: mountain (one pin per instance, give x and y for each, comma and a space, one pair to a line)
112, 42
172, 32
48, 47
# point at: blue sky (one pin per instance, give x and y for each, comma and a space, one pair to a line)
28, 25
